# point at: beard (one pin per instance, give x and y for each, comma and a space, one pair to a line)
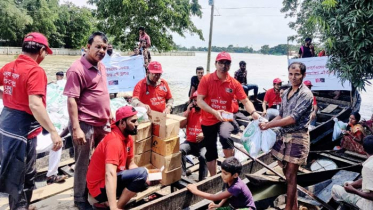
109, 52
131, 132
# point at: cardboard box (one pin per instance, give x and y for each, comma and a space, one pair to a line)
144, 130
168, 177
169, 162
143, 159
182, 120
143, 146
165, 147
164, 128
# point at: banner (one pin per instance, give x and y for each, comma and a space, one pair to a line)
318, 73
123, 72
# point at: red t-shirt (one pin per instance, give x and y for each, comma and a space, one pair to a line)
194, 125
115, 149
219, 95
272, 97
235, 106
314, 101
157, 96
21, 78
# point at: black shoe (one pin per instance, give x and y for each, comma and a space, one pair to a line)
83, 205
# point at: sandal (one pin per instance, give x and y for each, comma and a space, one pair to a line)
56, 179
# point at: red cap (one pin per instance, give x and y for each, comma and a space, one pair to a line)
307, 83
223, 56
195, 94
277, 80
155, 67
38, 38
124, 112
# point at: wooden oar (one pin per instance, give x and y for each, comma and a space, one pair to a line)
300, 188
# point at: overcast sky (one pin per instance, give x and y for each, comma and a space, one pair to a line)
237, 22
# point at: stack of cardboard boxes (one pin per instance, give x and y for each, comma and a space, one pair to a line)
157, 145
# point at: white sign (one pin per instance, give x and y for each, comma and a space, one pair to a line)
123, 72
318, 73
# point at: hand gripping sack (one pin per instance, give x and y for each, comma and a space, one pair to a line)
251, 138
268, 140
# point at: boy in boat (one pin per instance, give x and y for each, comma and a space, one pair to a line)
236, 192
272, 100
152, 92
293, 140
112, 171
241, 76
359, 193
195, 80
193, 144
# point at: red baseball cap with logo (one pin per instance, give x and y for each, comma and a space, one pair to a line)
124, 112
155, 67
38, 38
277, 80
223, 56
307, 83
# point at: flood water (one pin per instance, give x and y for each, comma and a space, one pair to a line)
178, 70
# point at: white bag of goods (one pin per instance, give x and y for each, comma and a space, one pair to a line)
338, 127
142, 115
268, 140
251, 138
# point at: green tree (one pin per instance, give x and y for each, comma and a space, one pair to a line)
346, 28
74, 24
13, 22
264, 49
121, 19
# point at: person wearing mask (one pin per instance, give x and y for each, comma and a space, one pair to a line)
216, 92
112, 172
292, 145
195, 80
88, 105
152, 92
241, 76
194, 138
23, 117
272, 100
307, 50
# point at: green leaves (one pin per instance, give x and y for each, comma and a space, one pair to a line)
121, 19
346, 29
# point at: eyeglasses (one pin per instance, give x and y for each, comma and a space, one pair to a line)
156, 74
222, 63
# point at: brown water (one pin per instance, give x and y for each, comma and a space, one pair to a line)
178, 70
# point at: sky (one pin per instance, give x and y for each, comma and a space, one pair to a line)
237, 22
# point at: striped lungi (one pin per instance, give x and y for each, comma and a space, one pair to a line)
292, 147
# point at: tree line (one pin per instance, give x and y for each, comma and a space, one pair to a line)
69, 26
281, 49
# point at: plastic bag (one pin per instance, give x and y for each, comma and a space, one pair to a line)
338, 127
142, 114
251, 138
268, 140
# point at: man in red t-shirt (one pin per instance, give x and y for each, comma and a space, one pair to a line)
314, 104
216, 92
152, 92
272, 100
22, 118
112, 172
194, 136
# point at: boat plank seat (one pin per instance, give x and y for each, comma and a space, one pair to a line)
330, 108
338, 158
51, 190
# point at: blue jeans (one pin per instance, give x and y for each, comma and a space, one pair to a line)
134, 180
249, 87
